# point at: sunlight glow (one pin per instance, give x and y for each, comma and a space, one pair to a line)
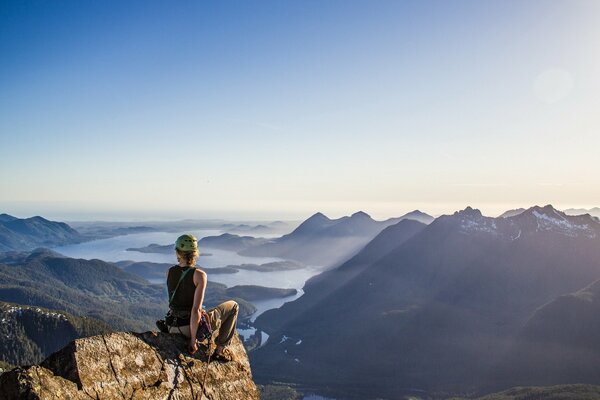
552, 85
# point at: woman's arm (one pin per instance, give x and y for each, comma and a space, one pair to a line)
200, 282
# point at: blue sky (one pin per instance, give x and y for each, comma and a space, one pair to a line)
278, 109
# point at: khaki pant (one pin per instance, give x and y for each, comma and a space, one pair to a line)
223, 320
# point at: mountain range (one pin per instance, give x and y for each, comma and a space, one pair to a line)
436, 308
21, 234
57, 299
260, 229
578, 211
461, 304
225, 241
92, 288
318, 241
322, 241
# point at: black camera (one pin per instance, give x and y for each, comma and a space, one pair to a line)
162, 326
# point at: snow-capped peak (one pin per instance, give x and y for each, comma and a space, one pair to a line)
469, 212
550, 219
471, 220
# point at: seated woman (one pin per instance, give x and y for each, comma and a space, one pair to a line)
186, 303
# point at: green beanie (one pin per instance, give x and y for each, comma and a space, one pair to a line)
186, 242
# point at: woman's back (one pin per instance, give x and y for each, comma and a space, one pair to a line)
184, 297
186, 304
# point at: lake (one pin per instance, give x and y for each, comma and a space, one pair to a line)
115, 249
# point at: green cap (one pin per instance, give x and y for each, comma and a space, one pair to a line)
186, 242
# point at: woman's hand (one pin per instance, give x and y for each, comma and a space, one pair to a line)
193, 347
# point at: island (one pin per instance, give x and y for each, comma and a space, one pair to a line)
254, 292
271, 266
161, 249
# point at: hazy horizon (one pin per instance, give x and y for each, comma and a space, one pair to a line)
57, 213
279, 109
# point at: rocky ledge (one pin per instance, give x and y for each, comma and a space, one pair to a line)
126, 365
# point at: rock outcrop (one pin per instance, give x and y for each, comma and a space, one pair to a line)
126, 365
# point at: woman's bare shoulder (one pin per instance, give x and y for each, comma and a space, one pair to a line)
199, 273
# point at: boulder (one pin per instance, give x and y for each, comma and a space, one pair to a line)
126, 365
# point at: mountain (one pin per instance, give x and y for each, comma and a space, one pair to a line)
125, 365
559, 343
281, 224
325, 284
245, 228
413, 215
146, 269
230, 242
313, 224
7, 218
438, 312
92, 288
161, 249
512, 213
30, 233
226, 241
89, 288
154, 248
30, 334
326, 242
595, 212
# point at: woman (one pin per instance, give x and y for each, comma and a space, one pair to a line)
186, 285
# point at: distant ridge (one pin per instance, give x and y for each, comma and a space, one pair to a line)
314, 223
579, 211
7, 218
512, 213
323, 241
416, 215
26, 234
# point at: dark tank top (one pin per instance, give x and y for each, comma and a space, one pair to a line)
184, 298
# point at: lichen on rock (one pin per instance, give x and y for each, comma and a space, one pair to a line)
127, 365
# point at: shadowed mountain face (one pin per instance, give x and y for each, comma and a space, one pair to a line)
29, 334
439, 311
30, 233
327, 242
560, 343
323, 285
